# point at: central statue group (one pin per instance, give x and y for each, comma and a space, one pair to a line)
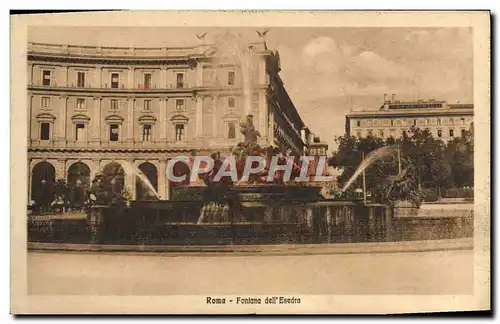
249, 147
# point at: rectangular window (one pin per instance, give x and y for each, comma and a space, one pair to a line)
452, 133
381, 133
179, 104
46, 76
230, 78
113, 104
147, 80
414, 122
179, 132
80, 132
439, 121
358, 123
146, 133
231, 102
358, 134
231, 130
114, 132
462, 121
463, 132
80, 103
147, 105
45, 102
115, 80
440, 133
392, 122
80, 79
44, 131
370, 132
180, 80
451, 121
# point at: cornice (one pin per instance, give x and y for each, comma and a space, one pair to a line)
389, 114
111, 60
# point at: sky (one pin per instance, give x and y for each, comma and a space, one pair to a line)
326, 71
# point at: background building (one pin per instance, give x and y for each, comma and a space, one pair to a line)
444, 121
93, 108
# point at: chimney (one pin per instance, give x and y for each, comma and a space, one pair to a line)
385, 97
393, 97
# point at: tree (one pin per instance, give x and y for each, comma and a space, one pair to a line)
350, 154
460, 156
420, 152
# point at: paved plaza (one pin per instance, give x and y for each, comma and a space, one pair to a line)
432, 272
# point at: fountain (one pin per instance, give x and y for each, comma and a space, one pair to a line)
375, 155
233, 51
249, 210
132, 169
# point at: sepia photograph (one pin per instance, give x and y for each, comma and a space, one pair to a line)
250, 162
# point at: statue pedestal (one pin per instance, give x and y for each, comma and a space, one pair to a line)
405, 208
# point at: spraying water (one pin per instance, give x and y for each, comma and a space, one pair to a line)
129, 168
370, 158
231, 49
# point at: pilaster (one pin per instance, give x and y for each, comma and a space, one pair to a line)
62, 125
162, 179
130, 181
199, 116
96, 121
199, 74
131, 78
65, 82
163, 120
130, 119
99, 76
215, 100
163, 77
263, 129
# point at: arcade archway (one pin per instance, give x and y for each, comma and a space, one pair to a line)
78, 183
42, 184
151, 173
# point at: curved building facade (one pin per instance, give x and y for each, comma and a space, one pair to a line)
92, 108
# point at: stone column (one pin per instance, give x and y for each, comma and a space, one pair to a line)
61, 169
130, 120
96, 167
199, 116
130, 179
162, 123
162, 179
131, 78
96, 121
